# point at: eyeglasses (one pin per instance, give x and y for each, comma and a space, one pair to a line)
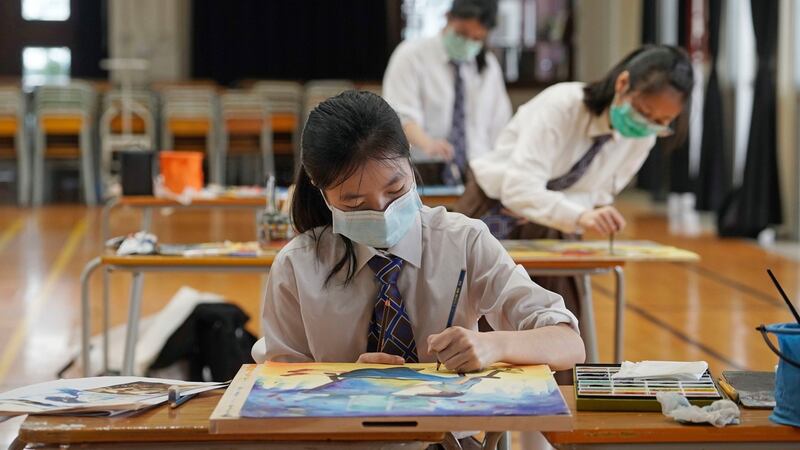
657, 129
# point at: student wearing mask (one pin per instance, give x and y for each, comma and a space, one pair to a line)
556, 167
365, 238
449, 92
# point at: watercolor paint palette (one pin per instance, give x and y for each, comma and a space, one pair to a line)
595, 390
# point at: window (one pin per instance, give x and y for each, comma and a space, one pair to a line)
45, 65
52, 10
424, 17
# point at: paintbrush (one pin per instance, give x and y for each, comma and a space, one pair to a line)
452, 315
785, 297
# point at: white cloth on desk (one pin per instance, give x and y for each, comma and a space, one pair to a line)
719, 413
670, 370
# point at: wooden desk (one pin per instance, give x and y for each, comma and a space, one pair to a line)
628, 430
540, 257
147, 203
163, 427
585, 258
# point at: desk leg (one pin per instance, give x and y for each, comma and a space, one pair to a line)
105, 222
619, 313
131, 334
493, 441
505, 441
135, 307
86, 315
106, 316
587, 323
147, 218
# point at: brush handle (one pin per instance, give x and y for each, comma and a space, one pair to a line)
785, 297
456, 296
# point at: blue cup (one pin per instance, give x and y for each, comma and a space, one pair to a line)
787, 379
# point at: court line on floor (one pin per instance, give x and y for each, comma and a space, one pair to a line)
722, 279
668, 328
33, 307
11, 232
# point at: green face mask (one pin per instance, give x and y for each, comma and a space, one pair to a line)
631, 124
459, 48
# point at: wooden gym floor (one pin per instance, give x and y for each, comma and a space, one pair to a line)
703, 311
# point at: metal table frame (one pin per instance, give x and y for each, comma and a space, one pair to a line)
134, 306
587, 321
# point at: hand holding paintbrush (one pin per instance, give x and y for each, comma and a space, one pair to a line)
453, 307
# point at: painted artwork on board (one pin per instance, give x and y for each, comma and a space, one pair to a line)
631, 250
349, 390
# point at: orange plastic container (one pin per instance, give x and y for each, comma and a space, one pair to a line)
181, 170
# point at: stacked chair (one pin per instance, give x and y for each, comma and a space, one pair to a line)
284, 100
128, 122
12, 139
246, 137
190, 121
64, 136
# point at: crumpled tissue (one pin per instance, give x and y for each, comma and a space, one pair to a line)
719, 413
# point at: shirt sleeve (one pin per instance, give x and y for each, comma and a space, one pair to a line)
504, 292
281, 318
524, 187
401, 86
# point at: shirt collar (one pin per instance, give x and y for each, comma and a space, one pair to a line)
599, 125
409, 248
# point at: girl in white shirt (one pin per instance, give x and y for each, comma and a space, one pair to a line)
367, 247
449, 92
558, 164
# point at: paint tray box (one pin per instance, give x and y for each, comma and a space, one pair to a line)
595, 390
346, 398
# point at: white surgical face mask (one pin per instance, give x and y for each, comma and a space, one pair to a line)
378, 229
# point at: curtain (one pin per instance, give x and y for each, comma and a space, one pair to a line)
679, 153
711, 182
651, 174
760, 203
298, 39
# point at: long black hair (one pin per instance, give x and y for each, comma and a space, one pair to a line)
340, 136
651, 69
484, 11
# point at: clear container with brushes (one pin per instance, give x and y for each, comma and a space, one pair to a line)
273, 224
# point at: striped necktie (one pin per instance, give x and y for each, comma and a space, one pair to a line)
579, 168
398, 337
458, 132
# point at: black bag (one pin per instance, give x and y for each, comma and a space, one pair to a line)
213, 337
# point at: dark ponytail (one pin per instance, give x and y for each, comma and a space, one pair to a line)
652, 68
340, 136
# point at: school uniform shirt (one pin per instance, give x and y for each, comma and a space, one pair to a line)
419, 83
546, 137
303, 319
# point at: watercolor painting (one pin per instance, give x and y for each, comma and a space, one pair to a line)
629, 250
348, 390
